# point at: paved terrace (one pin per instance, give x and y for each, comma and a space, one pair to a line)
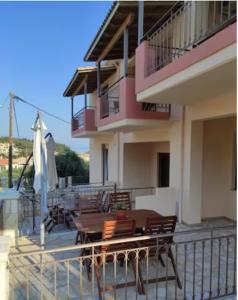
64, 276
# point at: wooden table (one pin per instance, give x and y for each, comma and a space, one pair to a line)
90, 223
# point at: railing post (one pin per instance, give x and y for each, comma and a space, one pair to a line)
140, 21
125, 51
5, 242
115, 188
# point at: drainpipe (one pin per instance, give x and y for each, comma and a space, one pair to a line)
182, 162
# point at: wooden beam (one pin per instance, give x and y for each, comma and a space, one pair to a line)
128, 20
80, 86
140, 21
72, 107
125, 51
85, 94
98, 79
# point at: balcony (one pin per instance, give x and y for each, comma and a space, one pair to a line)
117, 108
192, 45
83, 123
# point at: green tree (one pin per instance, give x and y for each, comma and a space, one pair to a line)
69, 164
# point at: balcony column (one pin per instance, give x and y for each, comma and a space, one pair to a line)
72, 107
85, 94
140, 21
125, 51
98, 78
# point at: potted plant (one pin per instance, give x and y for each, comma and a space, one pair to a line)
121, 212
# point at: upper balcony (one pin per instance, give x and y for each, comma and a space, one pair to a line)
83, 123
83, 84
187, 53
117, 108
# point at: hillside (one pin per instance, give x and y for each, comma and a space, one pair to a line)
23, 147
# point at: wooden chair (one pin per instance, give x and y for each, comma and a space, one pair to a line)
119, 201
57, 215
115, 229
87, 204
161, 245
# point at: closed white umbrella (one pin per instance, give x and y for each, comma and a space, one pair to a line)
40, 178
51, 165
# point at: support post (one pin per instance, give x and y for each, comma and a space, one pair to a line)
11, 96
98, 78
72, 107
140, 21
85, 94
125, 51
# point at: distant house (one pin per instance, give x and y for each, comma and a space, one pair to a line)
3, 164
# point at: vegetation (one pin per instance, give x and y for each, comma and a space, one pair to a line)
67, 162
25, 146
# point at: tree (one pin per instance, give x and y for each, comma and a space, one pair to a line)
69, 164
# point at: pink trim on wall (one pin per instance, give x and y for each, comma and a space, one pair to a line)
214, 44
129, 108
89, 122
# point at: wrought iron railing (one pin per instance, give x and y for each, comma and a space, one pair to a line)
109, 100
78, 121
183, 27
156, 107
61, 204
205, 261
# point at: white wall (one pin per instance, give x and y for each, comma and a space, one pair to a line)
218, 198
208, 109
95, 164
140, 163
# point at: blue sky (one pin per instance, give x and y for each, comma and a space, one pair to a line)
42, 43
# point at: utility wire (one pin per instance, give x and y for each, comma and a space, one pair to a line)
40, 109
15, 116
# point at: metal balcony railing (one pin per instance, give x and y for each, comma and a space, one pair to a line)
183, 27
205, 261
78, 120
110, 103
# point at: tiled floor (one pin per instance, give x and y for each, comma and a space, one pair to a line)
65, 272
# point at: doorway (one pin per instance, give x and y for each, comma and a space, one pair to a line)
163, 165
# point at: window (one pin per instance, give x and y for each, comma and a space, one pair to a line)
163, 165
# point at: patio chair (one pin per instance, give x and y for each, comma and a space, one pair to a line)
86, 204
119, 201
161, 245
57, 215
115, 229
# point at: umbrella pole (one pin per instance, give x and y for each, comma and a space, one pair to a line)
43, 193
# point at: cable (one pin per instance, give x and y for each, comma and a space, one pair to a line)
40, 109
15, 116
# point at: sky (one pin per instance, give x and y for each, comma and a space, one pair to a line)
41, 45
